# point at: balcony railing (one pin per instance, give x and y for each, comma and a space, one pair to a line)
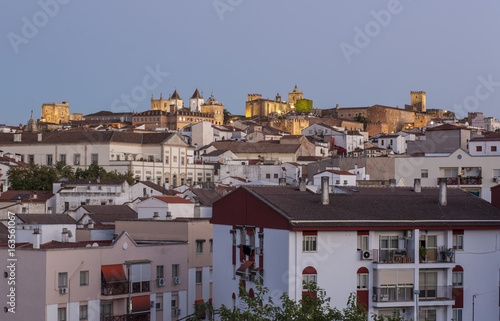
430, 292
128, 317
393, 293
441, 255
115, 288
138, 287
462, 181
393, 256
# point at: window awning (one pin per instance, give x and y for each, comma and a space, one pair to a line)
141, 303
244, 266
113, 273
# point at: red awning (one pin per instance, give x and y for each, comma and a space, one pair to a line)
113, 273
244, 266
141, 303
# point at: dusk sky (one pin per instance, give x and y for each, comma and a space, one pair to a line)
353, 53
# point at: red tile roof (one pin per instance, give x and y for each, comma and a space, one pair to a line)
12, 196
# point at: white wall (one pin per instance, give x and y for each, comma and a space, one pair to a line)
48, 232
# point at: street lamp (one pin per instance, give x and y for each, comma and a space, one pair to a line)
416, 293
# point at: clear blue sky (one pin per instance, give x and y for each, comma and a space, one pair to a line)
92, 53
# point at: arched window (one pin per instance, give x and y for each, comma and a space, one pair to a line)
251, 294
458, 276
309, 275
362, 278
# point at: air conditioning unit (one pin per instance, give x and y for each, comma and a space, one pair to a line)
367, 255
63, 290
160, 281
177, 280
177, 312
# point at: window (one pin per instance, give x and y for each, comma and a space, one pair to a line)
493, 149
199, 246
479, 148
458, 242
337, 182
84, 311
309, 275
458, 278
457, 315
160, 271
429, 242
175, 270
84, 278
427, 315
362, 281
199, 277
424, 173
382, 142
175, 159
363, 243
428, 284
166, 159
268, 175
62, 280
173, 302
76, 159
62, 158
158, 303
345, 182
275, 175
211, 245
31, 159
106, 309
309, 243
61, 314
95, 159
388, 245
182, 160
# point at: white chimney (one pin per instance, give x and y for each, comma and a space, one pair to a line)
17, 138
325, 196
392, 182
91, 224
442, 191
40, 137
282, 181
65, 237
417, 187
156, 216
36, 238
302, 185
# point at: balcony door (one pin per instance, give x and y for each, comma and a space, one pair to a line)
428, 284
429, 242
106, 309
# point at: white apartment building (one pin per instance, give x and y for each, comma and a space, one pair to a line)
163, 158
423, 251
485, 146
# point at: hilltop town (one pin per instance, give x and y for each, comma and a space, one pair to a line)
153, 214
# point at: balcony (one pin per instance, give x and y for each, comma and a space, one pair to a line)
393, 293
115, 288
441, 255
128, 317
471, 180
122, 287
431, 292
393, 256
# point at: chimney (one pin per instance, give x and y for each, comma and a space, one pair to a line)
65, 237
392, 183
91, 224
282, 181
302, 184
169, 215
40, 137
442, 191
337, 107
325, 197
17, 138
156, 216
417, 187
35, 196
36, 238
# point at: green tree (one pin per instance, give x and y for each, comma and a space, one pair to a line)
303, 105
63, 170
34, 177
227, 115
362, 119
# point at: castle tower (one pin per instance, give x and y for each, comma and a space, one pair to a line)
294, 96
196, 101
418, 100
55, 113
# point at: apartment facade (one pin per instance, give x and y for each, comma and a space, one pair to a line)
109, 280
396, 248
163, 158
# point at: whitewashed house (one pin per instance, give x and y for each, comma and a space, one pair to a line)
385, 244
485, 146
336, 177
165, 208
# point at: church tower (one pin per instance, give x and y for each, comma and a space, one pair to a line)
418, 101
160, 104
294, 96
196, 101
